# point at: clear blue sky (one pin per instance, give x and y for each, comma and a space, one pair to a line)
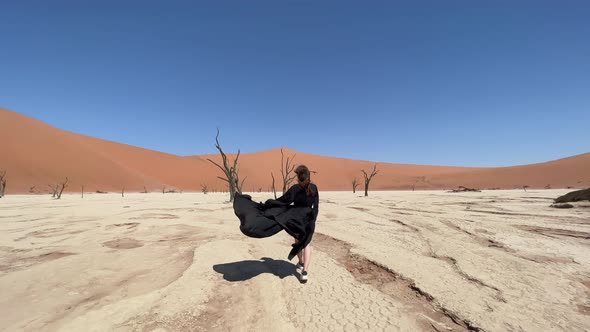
474, 83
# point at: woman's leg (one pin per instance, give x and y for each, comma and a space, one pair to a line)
300, 256
306, 257
300, 253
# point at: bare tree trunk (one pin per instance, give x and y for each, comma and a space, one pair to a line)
230, 172
368, 178
354, 185
123, 192
163, 190
2, 184
63, 186
273, 185
287, 168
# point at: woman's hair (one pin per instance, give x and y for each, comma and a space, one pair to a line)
304, 178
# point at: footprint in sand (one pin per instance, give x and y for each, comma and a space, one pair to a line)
124, 243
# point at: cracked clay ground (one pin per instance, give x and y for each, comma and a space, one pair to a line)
394, 261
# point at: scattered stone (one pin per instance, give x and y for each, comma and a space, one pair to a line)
574, 196
562, 206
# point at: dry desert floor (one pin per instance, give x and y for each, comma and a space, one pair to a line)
394, 261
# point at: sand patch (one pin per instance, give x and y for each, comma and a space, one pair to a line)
124, 243
155, 216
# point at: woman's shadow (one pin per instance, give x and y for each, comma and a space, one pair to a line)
245, 270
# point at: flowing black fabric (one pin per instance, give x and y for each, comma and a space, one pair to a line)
260, 220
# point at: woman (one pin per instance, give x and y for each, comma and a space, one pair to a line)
295, 212
303, 194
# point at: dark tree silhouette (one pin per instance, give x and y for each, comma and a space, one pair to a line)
54, 189
354, 185
274, 190
2, 184
368, 178
287, 168
230, 172
61, 187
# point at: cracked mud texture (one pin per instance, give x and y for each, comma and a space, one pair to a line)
497, 260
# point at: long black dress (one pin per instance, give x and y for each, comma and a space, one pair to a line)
261, 220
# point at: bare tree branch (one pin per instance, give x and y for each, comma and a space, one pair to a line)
241, 185
216, 164
287, 168
224, 179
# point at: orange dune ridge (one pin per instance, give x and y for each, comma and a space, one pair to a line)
36, 155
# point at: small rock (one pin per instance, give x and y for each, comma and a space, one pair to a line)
562, 206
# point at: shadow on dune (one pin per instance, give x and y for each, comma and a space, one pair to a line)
245, 270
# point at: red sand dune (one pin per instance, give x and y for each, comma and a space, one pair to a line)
35, 155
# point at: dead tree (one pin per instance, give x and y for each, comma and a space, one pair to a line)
368, 178
287, 168
230, 172
524, 188
144, 190
163, 190
204, 189
2, 184
354, 185
54, 189
274, 190
62, 186
123, 192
